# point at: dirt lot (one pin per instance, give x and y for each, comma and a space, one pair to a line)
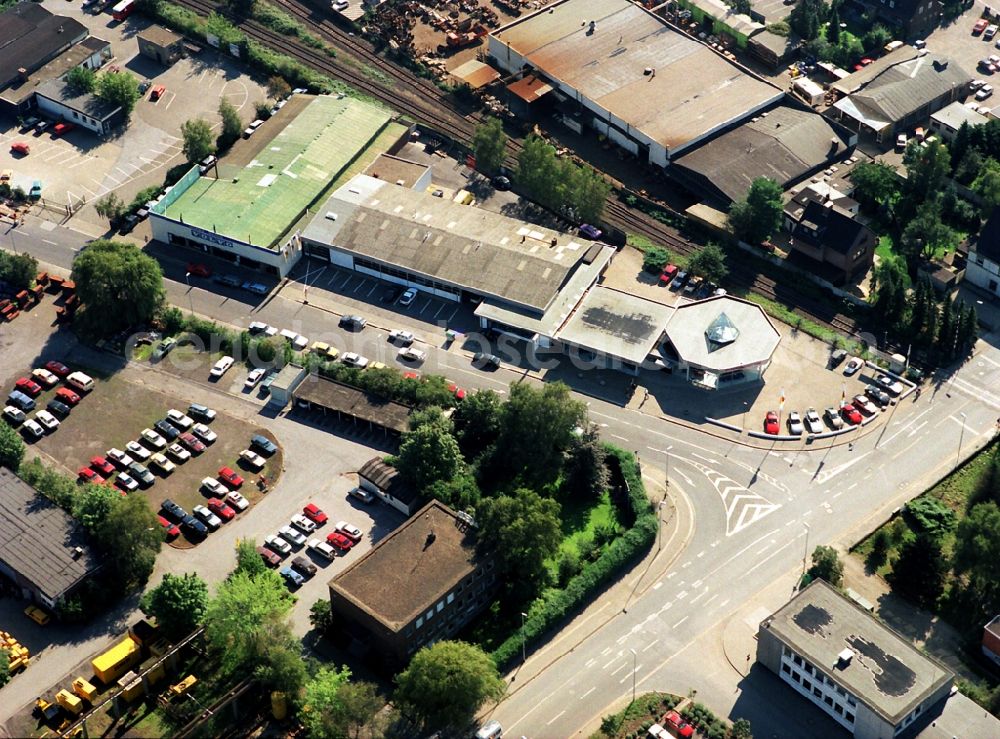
117, 410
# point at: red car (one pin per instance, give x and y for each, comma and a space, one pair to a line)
28, 387
100, 464
851, 414
668, 274
455, 390
67, 396
339, 541
411, 375
681, 727
220, 509
20, 147
173, 531
86, 474
314, 514
271, 559
60, 128
191, 442
771, 425
980, 26
228, 476
57, 368
199, 270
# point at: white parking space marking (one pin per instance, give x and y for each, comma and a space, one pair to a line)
173, 96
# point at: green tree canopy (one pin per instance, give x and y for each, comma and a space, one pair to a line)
11, 447
559, 183
807, 17
428, 455
926, 170
248, 560
110, 206
921, 569
279, 663
92, 507
538, 426
178, 603
710, 263
81, 79
987, 185
18, 270
334, 707
130, 537
977, 551
198, 139
585, 473
522, 530
827, 565
232, 126
118, 88
237, 614
477, 422
119, 285
756, 217
489, 144
4, 667
278, 87
875, 183
889, 293
445, 684
926, 234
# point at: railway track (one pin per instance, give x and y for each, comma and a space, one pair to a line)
422, 100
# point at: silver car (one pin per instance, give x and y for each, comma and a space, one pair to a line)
292, 536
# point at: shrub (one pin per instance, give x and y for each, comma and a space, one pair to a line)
655, 259
931, 515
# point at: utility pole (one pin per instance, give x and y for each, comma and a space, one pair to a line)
961, 437
523, 646
805, 552
633, 674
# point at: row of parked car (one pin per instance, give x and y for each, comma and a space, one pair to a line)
298, 534
24, 398
877, 396
224, 500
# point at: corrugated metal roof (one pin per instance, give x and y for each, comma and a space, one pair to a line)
351, 401
38, 539
475, 73
692, 90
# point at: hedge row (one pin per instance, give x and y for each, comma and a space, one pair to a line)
554, 605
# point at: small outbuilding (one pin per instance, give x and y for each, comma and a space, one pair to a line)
161, 45
385, 482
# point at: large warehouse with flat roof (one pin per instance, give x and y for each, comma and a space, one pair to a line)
649, 88
245, 213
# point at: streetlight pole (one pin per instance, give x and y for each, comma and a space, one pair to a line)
746, 407
659, 525
805, 552
961, 438
187, 278
633, 674
523, 647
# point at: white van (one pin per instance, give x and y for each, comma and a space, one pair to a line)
80, 381
492, 730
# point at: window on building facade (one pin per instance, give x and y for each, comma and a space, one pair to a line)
440, 606
817, 692
430, 614
797, 660
786, 669
828, 700
850, 717
420, 622
796, 676
806, 684
838, 709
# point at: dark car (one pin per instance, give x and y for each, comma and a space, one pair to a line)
836, 357
485, 361
879, 397
201, 412
501, 183
60, 409
304, 566
193, 527
193, 445
164, 348
271, 559
391, 295
57, 368
679, 280
590, 232
166, 429
227, 280
142, 474
174, 512
264, 444
355, 323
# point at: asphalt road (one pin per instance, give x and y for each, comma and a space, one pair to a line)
757, 511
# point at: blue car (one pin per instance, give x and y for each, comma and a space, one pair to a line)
22, 401
264, 444
291, 576
590, 232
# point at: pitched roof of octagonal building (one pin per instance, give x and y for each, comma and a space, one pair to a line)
722, 333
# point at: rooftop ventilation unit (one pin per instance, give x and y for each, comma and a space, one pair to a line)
844, 659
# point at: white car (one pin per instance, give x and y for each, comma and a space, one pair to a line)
984, 92
213, 486
409, 296
211, 520
795, 423
401, 337
204, 433
322, 548
253, 459
298, 341
254, 377
119, 457
160, 460
340, 5
153, 439
32, 429
277, 544
352, 359
259, 327
292, 536
221, 367
236, 499
179, 453
14, 415
894, 387
864, 404
351, 531
813, 422
50, 422
303, 524
44, 378
141, 453
126, 481
409, 354
180, 420
853, 366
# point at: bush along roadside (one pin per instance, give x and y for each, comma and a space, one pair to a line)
555, 604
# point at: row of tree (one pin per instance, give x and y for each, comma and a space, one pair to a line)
248, 632
948, 330
558, 183
755, 218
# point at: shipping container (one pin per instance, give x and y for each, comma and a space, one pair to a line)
115, 662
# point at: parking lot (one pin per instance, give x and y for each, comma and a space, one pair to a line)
80, 167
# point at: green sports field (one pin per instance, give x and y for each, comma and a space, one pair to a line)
260, 201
